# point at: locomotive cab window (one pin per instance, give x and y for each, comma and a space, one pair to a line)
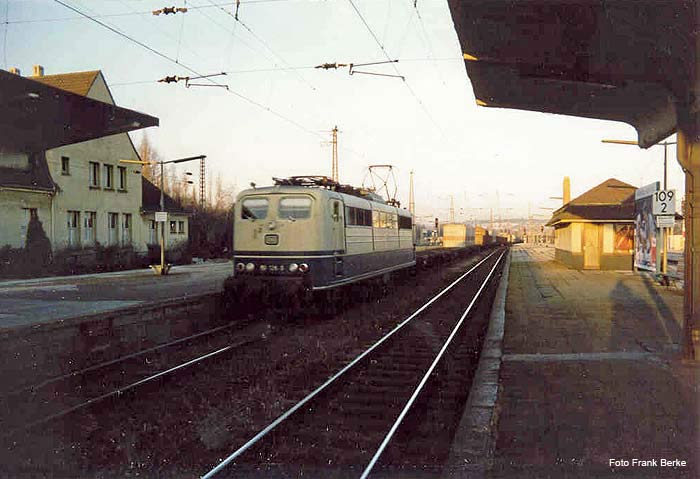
254, 208
295, 208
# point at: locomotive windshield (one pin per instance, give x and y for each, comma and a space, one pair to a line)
295, 208
254, 208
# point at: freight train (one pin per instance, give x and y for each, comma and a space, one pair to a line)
308, 233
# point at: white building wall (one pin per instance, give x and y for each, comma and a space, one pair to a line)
181, 235
576, 235
562, 238
608, 238
75, 192
16, 207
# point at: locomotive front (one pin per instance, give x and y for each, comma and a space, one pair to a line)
282, 241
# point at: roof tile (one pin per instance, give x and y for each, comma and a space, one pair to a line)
78, 82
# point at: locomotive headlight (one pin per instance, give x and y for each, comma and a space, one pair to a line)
250, 267
303, 267
293, 268
263, 267
240, 267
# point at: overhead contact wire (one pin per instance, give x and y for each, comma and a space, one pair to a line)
165, 57
386, 54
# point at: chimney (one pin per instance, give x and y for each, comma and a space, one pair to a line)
38, 71
567, 190
15, 70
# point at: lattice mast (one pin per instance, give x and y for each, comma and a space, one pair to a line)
411, 198
334, 168
202, 184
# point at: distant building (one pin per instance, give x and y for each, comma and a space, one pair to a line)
454, 235
177, 227
82, 194
596, 229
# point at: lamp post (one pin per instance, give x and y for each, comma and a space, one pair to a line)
162, 268
664, 236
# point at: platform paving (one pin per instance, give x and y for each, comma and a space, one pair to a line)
44, 300
591, 372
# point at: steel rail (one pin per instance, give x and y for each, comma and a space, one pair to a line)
120, 391
428, 373
118, 360
323, 386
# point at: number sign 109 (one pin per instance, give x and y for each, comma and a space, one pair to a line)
664, 202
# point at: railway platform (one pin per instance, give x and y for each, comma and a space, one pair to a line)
32, 302
591, 381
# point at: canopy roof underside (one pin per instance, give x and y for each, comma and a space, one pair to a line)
635, 62
36, 117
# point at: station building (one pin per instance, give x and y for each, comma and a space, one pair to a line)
81, 193
596, 229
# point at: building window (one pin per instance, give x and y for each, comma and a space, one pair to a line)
89, 222
109, 176
181, 227
122, 177
73, 228
126, 228
94, 175
173, 227
112, 225
65, 165
152, 232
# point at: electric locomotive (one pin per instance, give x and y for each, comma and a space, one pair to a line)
308, 233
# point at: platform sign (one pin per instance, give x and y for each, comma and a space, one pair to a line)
664, 202
161, 216
665, 221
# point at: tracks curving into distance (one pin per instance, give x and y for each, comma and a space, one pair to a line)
415, 348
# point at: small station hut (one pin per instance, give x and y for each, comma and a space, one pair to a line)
596, 229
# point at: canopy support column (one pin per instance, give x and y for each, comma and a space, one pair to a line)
689, 159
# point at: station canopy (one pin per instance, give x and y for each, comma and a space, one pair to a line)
630, 61
36, 117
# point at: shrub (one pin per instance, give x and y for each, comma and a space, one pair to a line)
38, 253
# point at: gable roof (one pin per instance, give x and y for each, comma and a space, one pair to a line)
150, 196
611, 200
609, 192
76, 82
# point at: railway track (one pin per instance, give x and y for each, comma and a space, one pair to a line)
55, 397
394, 405
28, 407
64, 412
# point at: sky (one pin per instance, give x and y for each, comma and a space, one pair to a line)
276, 116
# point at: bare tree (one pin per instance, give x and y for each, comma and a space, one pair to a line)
223, 196
148, 153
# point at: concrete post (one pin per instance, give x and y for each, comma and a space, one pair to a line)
689, 159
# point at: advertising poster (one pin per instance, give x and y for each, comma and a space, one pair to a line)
624, 238
645, 228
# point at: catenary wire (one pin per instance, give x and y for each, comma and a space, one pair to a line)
165, 57
264, 44
393, 64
